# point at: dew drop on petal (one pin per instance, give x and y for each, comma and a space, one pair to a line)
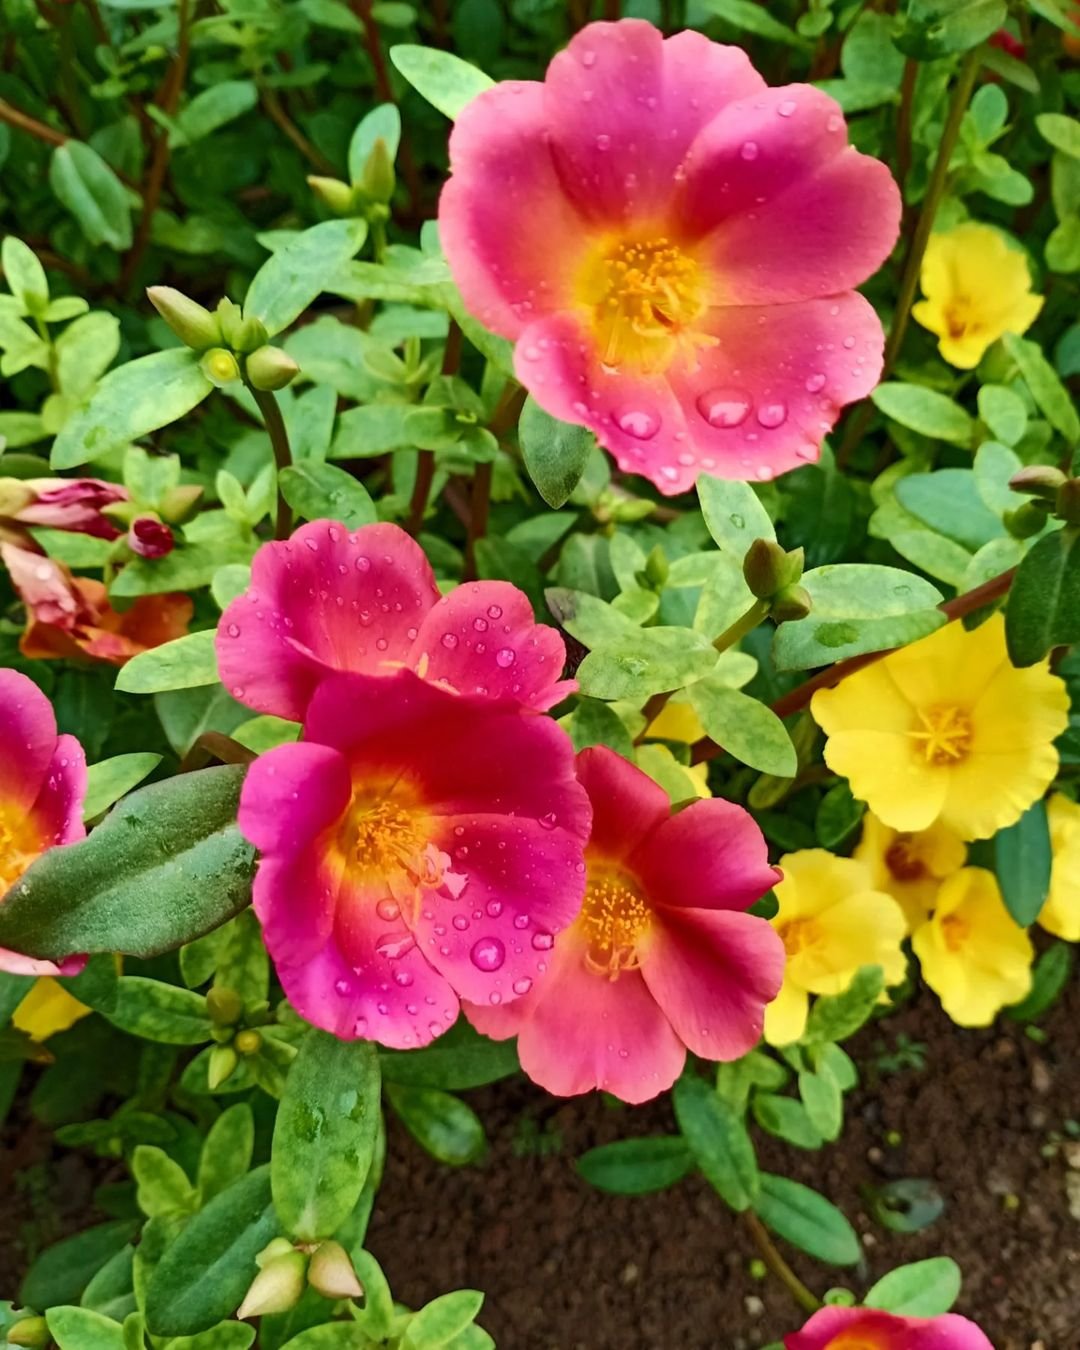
749, 150
363, 564
549, 820
521, 921
395, 945
403, 978
786, 108
488, 954
460, 922
505, 657
603, 142
772, 415
494, 998
494, 611
643, 426
815, 383
723, 407
449, 641
543, 942
341, 987
234, 630
388, 910
523, 985
480, 625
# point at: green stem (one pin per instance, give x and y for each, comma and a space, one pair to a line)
756, 614
425, 464
478, 516
779, 1267
54, 367
279, 439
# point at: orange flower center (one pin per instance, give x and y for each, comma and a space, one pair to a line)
646, 295
902, 859
614, 915
955, 931
855, 1340
944, 734
798, 934
19, 845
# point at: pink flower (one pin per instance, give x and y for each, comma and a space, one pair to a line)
662, 958
42, 786
417, 847
62, 503
366, 601
150, 537
867, 1329
672, 245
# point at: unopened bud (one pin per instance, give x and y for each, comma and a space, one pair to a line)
657, 568
29, 1331
331, 1272
270, 368
220, 367
279, 1246
768, 568
278, 1286
333, 193
248, 1042
1037, 480
1026, 520
149, 537
1067, 506
195, 326
178, 502
242, 335
377, 176
791, 604
224, 1005
14, 495
223, 1061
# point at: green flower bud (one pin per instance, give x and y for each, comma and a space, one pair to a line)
29, 1331
278, 1286
270, 368
331, 1272
1037, 480
1067, 506
768, 568
179, 502
333, 193
242, 335
1026, 520
279, 1246
192, 324
223, 1061
225, 1006
248, 1043
220, 367
377, 176
791, 604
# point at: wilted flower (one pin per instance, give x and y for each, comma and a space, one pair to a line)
973, 953
871, 1329
42, 786
909, 867
150, 538
62, 503
332, 599
1060, 914
662, 957
977, 288
946, 730
832, 921
672, 245
417, 847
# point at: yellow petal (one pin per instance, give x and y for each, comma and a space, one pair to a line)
677, 722
885, 771
785, 1016
865, 929
1061, 913
47, 1009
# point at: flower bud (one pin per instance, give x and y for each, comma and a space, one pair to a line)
178, 502
331, 1272
333, 193
192, 324
224, 1005
1067, 506
29, 1331
791, 604
150, 538
248, 1043
242, 335
278, 1286
220, 367
768, 568
657, 568
1037, 480
223, 1061
270, 368
1026, 520
279, 1246
377, 175
15, 493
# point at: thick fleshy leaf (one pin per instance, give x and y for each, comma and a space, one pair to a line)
555, 452
637, 1166
807, 1220
108, 780
184, 663
1022, 861
315, 491
447, 82
1043, 610
718, 1140
921, 1289
291, 278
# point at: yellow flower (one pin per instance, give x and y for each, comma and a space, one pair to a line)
946, 730
831, 921
973, 954
1061, 913
909, 867
47, 1009
977, 288
676, 721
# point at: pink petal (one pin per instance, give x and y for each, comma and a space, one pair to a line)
789, 210
711, 855
884, 1331
45, 587
27, 740
624, 106
57, 812
581, 1031
483, 638
627, 804
503, 209
291, 794
520, 884
324, 600
14, 963
712, 972
73, 504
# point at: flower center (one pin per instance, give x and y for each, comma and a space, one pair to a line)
955, 931
902, 859
613, 917
17, 845
383, 840
646, 296
798, 934
857, 1340
944, 736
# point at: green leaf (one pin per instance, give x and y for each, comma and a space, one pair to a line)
160, 1012
1062, 132
807, 1220
1022, 861
130, 402
203, 1276
447, 82
925, 411
949, 501
81, 1329
167, 865
372, 429
324, 1137
734, 515
753, 18
1046, 389
93, 194
443, 1125
555, 452
922, 1289
1049, 976
718, 1140
318, 491
183, 663
213, 108
837, 815
442, 1319
1043, 608
636, 1166
62, 1272
786, 1118
382, 122
290, 279
226, 1152
745, 727
646, 661
824, 1104
225, 1336
24, 274
838, 1016
460, 1060
162, 1184
1001, 408
108, 780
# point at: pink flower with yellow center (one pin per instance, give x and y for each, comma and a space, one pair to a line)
871, 1329
331, 599
42, 786
672, 245
662, 957
417, 847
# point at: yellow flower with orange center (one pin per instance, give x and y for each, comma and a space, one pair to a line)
909, 866
977, 288
1061, 913
973, 954
946, 730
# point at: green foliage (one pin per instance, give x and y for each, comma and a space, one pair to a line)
718, 1141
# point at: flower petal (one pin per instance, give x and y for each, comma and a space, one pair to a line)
27, 739
291, 794
483, 638
885, 1331
57, 811
14, 963
324, 600
627, 804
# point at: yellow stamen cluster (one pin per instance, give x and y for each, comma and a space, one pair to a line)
16, 849
903, 860
613, 917
799, 934
945, 734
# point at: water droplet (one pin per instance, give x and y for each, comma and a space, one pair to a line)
341, 987
531, 353
360, 1026
724, 408
395, 945
494, 611
603, 142
449, 641
505, 657
815, 383
488, 954
643, 426
460, 922
749, 150
549, 820
495, 998
234, 630
523, 985
772, 415
588, 58
388, 910
480, 625
381, 644
521, 921
363, 564
787, 107
403, 978
543, 942
835, 123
